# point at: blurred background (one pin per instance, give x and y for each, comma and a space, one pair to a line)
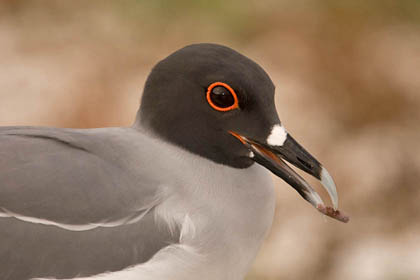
348, 88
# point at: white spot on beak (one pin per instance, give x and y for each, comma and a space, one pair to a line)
251, 154
328, 182
277, 136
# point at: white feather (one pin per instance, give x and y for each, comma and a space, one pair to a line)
277, 136
123, 221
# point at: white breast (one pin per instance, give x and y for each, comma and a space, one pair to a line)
224, 214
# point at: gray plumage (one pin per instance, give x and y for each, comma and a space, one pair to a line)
76, 177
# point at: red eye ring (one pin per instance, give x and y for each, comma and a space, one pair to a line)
235, 97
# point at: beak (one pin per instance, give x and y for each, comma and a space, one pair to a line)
271, 157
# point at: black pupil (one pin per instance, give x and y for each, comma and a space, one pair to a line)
221, 97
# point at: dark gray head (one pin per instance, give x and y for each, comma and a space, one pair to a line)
174, 103
218, 104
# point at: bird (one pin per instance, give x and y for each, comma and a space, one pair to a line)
186, 192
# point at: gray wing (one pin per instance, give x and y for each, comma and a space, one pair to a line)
70, 206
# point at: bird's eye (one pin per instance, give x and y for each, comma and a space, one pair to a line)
222, 97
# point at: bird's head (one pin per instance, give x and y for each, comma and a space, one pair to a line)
219, 104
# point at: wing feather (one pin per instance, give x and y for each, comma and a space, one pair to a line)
72, 203
51, 174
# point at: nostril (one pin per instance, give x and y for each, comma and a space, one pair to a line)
305, 163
